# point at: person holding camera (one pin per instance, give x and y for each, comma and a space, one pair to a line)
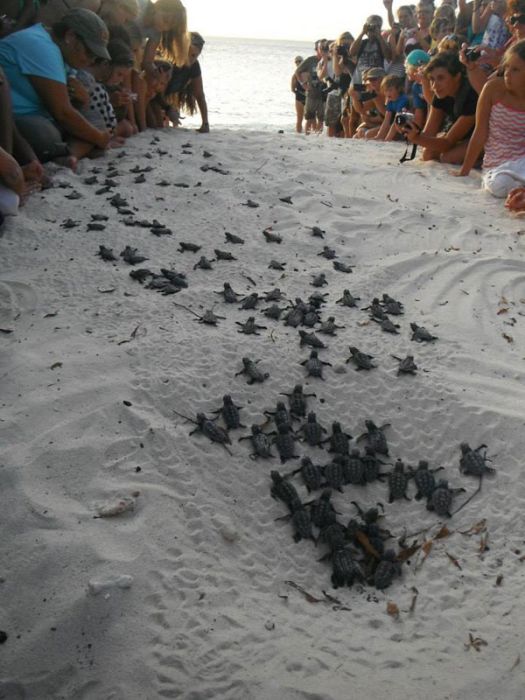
314, 104
453, 106
336, 71
370, 105
396, 101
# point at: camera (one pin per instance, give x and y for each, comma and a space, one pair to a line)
368, 95
371, 28
342, 51
404, 118
472, 54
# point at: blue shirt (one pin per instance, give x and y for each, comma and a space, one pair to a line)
30, 51
418, 101
398, 105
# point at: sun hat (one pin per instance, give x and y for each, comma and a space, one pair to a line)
374, 73
417, 58
90, 28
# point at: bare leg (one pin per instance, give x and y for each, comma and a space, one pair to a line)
456, 155
299, 110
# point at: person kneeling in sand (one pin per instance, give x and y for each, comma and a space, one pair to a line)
500, 128
454, 106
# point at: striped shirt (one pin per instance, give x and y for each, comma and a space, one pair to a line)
506, 139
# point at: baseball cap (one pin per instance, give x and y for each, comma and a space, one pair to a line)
416, 58
374, 73
90, 28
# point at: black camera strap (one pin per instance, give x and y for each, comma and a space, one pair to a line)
405, 154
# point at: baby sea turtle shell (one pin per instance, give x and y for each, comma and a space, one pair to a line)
280, 415
203, 264
375, 437
311, 474
341, 267
474, 462
272, 237
312, 430
319, 280
398, 482
273, 295
317, 299
223, 254
294, 317
371, 465
275, 265
314, 366
311, 339
230, 413
249, 302
354, 468
360, 359
323, 512
176, 278
106, 253
334, 475
387, 325
283, 490
99, 217
424, 480
230, 297
317, 232
188, 247
376, 310
440, 500
210, 319
251, 370
329, 327
141, 274
311, 316
421, 335
345, 570
250, 327
302, 524
213, 432
285, 443
131, 256
391, 306
260, 442
95, 226
297, 401
328, 253
232, 238
347, 299
334, 535
387, 569
274, 312
406, 365
339, 440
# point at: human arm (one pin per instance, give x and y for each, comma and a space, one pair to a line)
439, 144
356, 45
55, 98
385, 127
480, 18
198, 92
385, 48
481, 131
148, 58
388, 7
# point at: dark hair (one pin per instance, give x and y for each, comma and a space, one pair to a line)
119, 33
517, 49
449, 60
515, 7
134, 32
197, 40
120, 52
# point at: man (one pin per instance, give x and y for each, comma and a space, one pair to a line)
314, 106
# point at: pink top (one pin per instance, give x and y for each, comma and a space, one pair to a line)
506, 139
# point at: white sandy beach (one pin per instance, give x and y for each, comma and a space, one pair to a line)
208, 612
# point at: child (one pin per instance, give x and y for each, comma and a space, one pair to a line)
415, 61
396, 101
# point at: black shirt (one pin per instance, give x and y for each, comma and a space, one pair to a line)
463, 104
181, 76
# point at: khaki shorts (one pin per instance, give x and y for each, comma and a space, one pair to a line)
314, 107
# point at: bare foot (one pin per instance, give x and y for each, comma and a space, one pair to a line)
67, 162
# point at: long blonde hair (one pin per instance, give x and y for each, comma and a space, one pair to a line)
174, 43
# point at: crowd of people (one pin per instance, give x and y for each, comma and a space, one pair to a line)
80, 76
448, 76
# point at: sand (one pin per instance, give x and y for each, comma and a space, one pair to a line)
185, 595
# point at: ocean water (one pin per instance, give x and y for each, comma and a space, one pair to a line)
247, 83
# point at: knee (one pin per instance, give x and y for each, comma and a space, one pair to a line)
499, 184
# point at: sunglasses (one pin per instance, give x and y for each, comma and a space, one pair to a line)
517, 19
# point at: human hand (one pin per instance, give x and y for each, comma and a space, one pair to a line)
388, 3
515, 201
103, 139
11, 174
120, 98
411, 131
457, 173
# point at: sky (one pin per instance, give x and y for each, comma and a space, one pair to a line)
281, 19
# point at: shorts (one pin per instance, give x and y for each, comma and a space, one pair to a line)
43, 136
314, 107
332, 113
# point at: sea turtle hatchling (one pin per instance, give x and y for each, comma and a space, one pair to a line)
334, 474
345, 569
314, 366
178, 279
440, 500
376, 310
188, 247
387, 569
251, 370
260, 442
398, 480
339, 441
360, 359
274, 312
273, 295
272, 237
283, 490
313, 431
280, 416
317, 232
354, 468
375, 437
328, 253
285, 443
212, 431
302, 524
106, 253
229, 296
319, 280
311, 316
323, 512
329, 327
317, 299
131, 256
406, 365
387, 325
297, 401
342, 267
230, 413
474, 462
249, 327
311, 474
347, 299
249, 302
391, 306
276, 265
203, 264
223, 254
311, 339
232, 238
424, 479
209, 318
141, 275
371, 465
421, 335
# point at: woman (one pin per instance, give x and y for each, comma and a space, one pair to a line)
300, 96
185, 88
452, 112
500, 127
34, 61
164, 25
